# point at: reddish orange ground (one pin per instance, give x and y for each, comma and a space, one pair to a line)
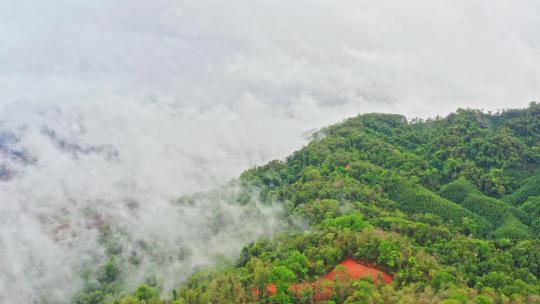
358, 270
353, 270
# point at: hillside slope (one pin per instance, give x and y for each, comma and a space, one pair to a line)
448, 206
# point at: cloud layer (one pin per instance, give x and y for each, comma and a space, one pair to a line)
423, 58
107, 103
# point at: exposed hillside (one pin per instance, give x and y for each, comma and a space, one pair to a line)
449, 207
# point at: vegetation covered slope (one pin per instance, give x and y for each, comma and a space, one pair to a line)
449, 206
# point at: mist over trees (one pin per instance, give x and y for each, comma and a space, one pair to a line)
447, 207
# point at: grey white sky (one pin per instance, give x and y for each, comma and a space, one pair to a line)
420, 58
148, 100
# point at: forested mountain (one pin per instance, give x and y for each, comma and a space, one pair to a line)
447, 207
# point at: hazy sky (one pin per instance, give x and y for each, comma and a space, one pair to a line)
420, 58
110, 101
236, 83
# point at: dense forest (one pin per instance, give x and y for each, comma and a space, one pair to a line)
448, 207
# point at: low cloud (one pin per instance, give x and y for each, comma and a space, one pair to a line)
127, 170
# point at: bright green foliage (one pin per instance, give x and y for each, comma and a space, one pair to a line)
297, 263
443, 280
481, 299
530, 187
513, 229
283, 277
146, 293
459, 190
364, 291
451, 301
457, 296
413, 198
532, 209
389, 253
352, 221
495, 211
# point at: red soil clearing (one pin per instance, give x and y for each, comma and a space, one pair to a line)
351, 270
358, 270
